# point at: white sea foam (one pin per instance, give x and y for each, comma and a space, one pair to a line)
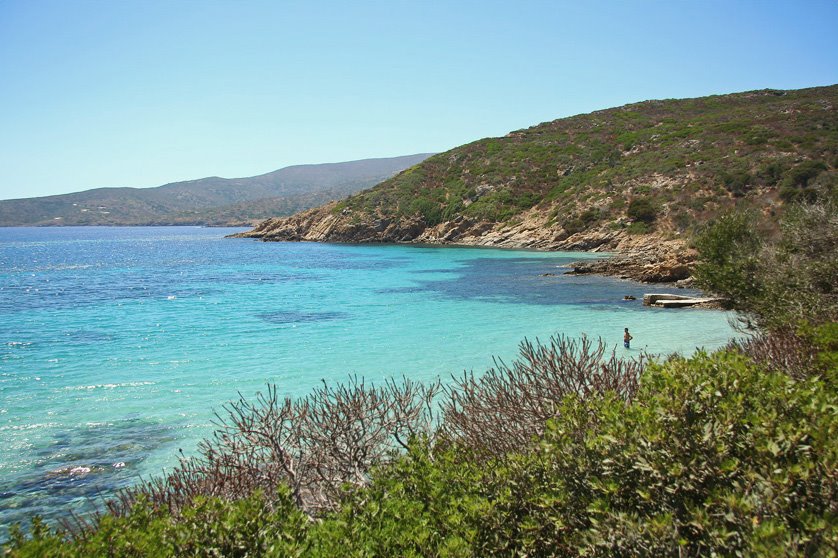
34, 426
108, 386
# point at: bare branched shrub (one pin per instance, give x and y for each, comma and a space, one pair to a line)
315, 445
505, 408
333, 438
780, 351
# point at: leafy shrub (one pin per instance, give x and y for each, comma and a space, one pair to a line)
428, 210
582, 222
429, 503
773, 172
797, 184
715, 456
642, 209
728, 265
737, 183
250, 526
638, 227
775, 284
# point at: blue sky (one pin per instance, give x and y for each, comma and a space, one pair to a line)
121, 93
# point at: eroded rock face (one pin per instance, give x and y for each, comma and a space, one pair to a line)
659, 261
649, 258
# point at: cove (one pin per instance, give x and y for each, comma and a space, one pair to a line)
117, 344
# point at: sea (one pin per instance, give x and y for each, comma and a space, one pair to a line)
117, 344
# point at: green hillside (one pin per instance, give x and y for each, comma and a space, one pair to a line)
655, 166
682, 154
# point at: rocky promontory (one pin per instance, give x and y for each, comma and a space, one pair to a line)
636, 181
648, 258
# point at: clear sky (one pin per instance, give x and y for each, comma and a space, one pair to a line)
140, 93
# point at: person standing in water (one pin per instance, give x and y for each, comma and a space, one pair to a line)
627, 339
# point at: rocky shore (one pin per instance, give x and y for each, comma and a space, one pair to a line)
648, 258
645, 266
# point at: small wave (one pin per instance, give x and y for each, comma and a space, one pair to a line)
35, 426
63, 267
108, 386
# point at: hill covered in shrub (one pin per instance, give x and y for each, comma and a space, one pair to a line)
621, 178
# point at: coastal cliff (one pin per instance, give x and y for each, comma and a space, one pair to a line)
647, 258
637, 180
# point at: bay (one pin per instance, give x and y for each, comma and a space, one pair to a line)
116, 344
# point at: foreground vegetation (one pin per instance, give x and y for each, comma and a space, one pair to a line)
712, 454
568, 451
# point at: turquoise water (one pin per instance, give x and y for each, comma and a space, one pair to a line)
116, 344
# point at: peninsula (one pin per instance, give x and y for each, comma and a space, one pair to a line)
637, 180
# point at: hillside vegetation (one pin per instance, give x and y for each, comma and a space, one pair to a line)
619, 179
207, 201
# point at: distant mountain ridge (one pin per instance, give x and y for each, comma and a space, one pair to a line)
208, 201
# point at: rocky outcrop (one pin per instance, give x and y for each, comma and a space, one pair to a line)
649, 258
660, 263
598, 182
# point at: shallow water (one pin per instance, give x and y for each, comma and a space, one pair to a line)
116, 344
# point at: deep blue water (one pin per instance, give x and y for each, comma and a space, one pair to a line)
116, 344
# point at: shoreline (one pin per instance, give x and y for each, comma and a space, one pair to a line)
659, 256
662, 266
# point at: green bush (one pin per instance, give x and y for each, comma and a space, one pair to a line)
797, 185
642, 209
583, 221
737, 183
775, 284
728, 263
638, 227
428, 210
773, 172
426, 504
253, 526
715, 456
